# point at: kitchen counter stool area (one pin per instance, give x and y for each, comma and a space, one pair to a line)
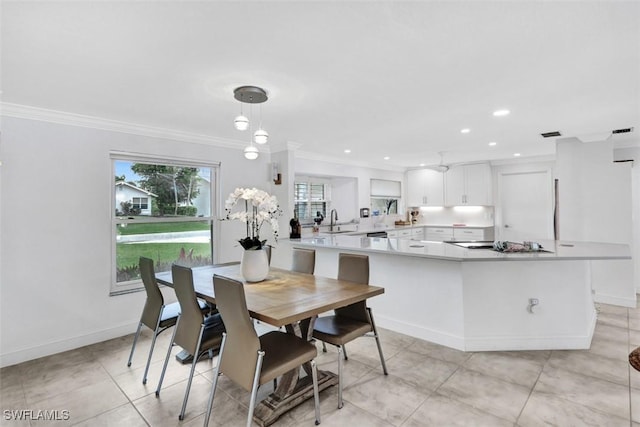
428, 384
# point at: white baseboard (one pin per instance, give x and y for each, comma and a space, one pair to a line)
46, 349
489, 343
614, 300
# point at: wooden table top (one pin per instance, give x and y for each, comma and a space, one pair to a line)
285, 297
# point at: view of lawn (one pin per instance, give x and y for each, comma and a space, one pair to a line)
129, 253
162, 227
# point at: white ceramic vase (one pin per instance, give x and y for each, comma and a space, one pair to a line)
255, 265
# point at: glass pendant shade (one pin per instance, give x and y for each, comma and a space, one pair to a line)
260, 136
241, 122
251, 152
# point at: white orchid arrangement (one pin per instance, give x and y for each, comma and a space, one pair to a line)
259, 207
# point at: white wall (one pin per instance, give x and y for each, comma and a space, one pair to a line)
55, 269
596, 205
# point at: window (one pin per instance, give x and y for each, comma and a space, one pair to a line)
163, 210
310, 198
141, 203
384, 196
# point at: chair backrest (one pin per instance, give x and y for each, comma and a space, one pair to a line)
354, 268
155, 300
191, 317
242, 343
304, 260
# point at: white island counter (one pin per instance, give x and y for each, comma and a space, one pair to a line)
475, 299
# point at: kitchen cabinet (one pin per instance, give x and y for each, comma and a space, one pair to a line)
438, 234
415, 233
425, 187
484, 234
468, 185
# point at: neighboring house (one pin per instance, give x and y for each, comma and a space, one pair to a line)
138, 197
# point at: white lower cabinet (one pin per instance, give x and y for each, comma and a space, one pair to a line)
473, 233
407, 233
438, 234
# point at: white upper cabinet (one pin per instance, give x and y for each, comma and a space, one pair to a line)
425, 187
468, 185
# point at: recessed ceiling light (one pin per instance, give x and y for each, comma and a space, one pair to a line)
516, 154
500, 113
347, 151
422, 164
493, 143
465, 130
387, 157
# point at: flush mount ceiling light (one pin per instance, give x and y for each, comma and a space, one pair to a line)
251, 95
465, 130
500, 113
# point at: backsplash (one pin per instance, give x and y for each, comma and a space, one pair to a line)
482, 216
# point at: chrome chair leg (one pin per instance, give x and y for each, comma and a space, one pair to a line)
254, 388
316, 394
193, 368
344, 350
153, 344
324, 347
216, 372
340, 403
135, 340
377, 337
166, 359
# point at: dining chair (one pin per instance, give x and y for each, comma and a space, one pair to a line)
193, 332
155, 315
350, 322
250, 360
304, 260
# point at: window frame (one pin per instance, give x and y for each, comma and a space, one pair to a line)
215, 206
309, 202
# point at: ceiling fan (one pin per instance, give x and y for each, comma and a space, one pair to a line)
441, 167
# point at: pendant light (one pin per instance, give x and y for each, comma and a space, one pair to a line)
251, 95
261, 136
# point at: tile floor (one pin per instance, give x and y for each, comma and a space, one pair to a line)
428, 385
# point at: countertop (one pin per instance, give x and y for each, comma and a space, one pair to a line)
557, 250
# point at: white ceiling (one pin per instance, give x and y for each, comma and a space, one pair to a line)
397, 78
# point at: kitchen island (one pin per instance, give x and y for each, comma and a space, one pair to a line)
475, 299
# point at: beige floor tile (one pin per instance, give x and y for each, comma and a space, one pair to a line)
82, 403
438, 351
547, 409
611, 319
597, 394
440, 410
419, 370
634, 322
612, 333
49, 380
609, 348
612, 309
508, 366
125, 415
349, 415
635, 405
495, 396
386, 397
164, 410
587, 363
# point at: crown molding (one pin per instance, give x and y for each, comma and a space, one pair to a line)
73, 119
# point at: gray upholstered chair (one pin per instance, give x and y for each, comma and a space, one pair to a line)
192, 332
352, 321
249, 360
304, 260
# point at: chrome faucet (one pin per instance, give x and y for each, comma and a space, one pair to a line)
331, 218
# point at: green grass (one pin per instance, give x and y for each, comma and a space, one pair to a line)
128, 254
162, 227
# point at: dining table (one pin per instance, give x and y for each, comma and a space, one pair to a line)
284, 299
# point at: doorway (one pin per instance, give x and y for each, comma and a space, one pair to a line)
526, 205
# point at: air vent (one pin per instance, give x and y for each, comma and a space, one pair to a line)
624, 130
551, 134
